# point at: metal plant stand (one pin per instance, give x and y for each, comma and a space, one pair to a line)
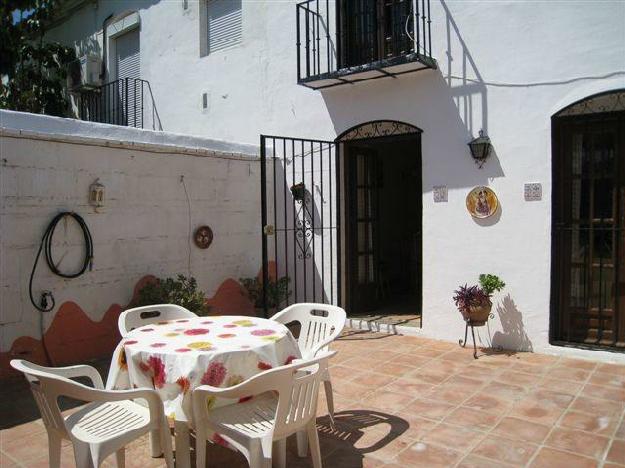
472, 324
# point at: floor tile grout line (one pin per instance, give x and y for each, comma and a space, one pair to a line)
556, 424
491, 433
485, 434
613, 438
17, 462
459, 405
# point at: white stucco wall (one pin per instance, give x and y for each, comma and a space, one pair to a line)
504, 67
47, 165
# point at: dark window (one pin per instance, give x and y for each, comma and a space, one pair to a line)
372, 30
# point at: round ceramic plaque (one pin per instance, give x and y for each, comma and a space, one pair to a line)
482, 202
203, 237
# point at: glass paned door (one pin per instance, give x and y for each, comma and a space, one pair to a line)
363, 216
589, 201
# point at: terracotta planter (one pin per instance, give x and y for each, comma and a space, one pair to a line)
478, 315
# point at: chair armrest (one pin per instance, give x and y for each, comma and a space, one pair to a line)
319, 346
83, 393
260, 383
82, 370
251, 387
275, 317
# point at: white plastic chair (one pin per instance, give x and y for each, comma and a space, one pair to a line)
140, 316
104, 426
320, 324
284, 402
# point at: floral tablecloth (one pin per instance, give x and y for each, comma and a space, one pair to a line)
176, 356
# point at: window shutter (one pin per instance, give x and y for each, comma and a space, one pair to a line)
128, 56
130, 92
225, 24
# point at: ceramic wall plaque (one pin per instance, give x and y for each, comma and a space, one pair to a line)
482, 202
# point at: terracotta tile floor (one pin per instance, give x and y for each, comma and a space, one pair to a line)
405, 401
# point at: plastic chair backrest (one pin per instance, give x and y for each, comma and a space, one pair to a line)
140, 316
297, 392
297, 396
47, 402
320, 324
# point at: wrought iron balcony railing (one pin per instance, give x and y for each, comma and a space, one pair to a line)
346, 41
128, 102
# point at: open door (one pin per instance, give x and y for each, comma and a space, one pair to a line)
300, 195
362, 218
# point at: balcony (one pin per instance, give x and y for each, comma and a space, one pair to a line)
349, 41
127, 102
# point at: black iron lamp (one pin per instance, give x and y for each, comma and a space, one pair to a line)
480, 149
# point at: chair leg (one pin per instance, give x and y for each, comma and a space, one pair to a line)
166, 444
327, 385
120, 457
313, 440
155, 444
183, 450
200, 447
54, 449
82, 455
279, 453
302, 444
260, 453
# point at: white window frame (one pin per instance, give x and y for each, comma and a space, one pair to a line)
130, 21
203, 13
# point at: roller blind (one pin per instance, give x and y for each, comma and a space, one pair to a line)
128, 56
225, 24
129, 66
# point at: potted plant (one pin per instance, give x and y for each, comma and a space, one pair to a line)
277, 292
181, 291
474, 302
298, 191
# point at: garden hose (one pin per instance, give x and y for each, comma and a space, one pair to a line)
46, 302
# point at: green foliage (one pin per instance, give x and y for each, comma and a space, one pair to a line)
181, 291
277, 291
32, 70
491, 283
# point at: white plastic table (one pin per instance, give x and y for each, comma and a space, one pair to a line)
176, 356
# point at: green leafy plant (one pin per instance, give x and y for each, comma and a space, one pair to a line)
181, 291
277, 291
32, 69
468, 298
491, 283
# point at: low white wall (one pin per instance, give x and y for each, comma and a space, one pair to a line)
47, 165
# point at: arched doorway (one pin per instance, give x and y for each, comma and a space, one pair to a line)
588, 223
381, 167
341, 220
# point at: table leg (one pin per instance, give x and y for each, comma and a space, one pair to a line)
155, 444
183, 449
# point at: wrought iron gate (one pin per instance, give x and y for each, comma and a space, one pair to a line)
300, 196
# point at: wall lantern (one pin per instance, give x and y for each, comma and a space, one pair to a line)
96, 194
480, 149
298, 191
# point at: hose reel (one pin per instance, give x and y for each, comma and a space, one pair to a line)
46, 301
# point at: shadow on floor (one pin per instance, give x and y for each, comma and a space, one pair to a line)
354, 434
360, 335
